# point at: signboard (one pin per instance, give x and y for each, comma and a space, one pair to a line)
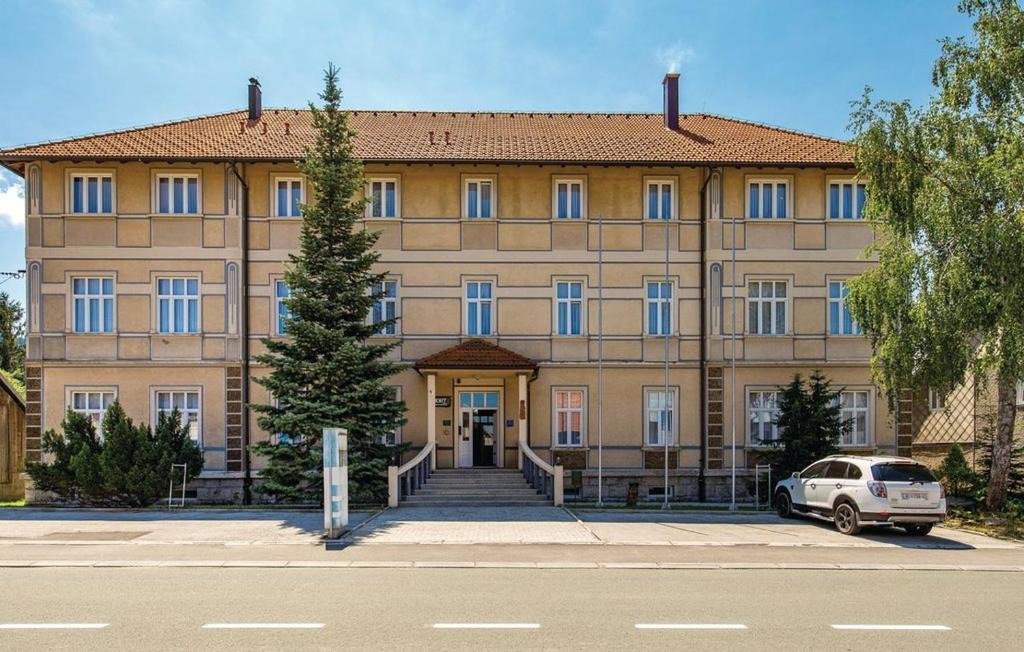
510, 423
335, 441
443, 401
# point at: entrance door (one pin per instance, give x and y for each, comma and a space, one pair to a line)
478, 428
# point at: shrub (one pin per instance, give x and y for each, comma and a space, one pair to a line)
810, 425
130, 465
956, 473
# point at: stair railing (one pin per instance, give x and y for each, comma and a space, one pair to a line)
547, 479
405, 480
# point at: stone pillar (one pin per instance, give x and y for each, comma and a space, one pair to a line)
432, 417
523, 400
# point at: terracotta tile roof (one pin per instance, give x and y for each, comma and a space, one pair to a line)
475, 354
281, 134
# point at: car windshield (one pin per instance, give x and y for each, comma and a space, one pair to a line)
902, 473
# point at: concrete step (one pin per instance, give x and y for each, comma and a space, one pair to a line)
504, 493
461, 482
413, 501
476, 472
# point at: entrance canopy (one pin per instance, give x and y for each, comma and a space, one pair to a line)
476, 354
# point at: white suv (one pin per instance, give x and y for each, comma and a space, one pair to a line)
855, 491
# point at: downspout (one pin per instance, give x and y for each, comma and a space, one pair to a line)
701, 479
243, 300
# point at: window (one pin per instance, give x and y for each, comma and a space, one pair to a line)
846, 199
569, 305
1020, 393
569, 199
855, 410
281, 314
478, 308
93, 404
177, 305
93, 305
479, 195
186, 402
767, 199
385, 309
767, 301
284, 437
840, 322
763, 410
658, 205
902, 472
659, 308
383, 195
815, 470
717, 305
394, 438
569, 417
836, 470
659, 417
288, 197
936, 401
177, 194
92, 193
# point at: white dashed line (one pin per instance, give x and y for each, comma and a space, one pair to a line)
690, 626
486, 625
895, 628
53, 625
263, 626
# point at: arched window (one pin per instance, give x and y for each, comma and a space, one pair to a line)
231, 313
715, 298
713, 196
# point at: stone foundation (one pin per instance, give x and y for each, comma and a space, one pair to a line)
684, 486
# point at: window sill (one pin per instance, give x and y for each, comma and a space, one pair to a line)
174, 215
671, 447
88, 215
562, 449
77, 333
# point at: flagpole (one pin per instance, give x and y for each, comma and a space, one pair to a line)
665, 327
600, 360
732, 401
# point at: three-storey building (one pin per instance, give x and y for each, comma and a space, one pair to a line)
523, 252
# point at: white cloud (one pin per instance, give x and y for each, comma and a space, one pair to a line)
12, 204
674, 56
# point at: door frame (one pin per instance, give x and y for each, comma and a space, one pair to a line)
499, 423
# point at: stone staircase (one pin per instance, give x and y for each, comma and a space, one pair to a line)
476, 488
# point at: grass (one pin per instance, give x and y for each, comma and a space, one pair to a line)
12, 503
1004, 525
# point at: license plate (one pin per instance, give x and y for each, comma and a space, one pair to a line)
914, 495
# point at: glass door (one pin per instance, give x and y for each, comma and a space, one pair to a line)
478, 428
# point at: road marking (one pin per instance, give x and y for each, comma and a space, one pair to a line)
895, 628
486, 625
263, 626
53, 625
690, 626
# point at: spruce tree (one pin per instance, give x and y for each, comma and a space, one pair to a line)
810, 424
328, 372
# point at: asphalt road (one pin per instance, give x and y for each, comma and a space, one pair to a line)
278, 608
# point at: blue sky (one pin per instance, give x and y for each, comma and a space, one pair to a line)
80, 66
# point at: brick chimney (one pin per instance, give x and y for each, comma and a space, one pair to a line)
255, 99
671, 106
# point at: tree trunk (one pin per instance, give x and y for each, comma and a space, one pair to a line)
1002, 444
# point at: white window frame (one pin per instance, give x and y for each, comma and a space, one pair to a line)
279, 438
479, 181
100, 412
649, 330
370, 181
769, 303
489, 301
853, 411
840, 301
88, 297
290, 179
186, 390
568, 411
673, 416
857, 205
569, 182
568, 302
775, 181
772, 411
85, 175
172, 298
673, 200
382, 302
1020, 392
171, 176
936, 401
279, 327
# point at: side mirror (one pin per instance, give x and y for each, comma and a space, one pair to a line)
796, 474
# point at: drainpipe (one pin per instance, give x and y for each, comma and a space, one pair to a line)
702, 492
243, 300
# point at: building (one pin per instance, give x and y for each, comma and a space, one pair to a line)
12, 441
155, 259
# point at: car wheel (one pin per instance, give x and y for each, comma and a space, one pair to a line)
784, 504
846, 518
918, 529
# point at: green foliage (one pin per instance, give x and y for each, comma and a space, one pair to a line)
946, 301
328, 372
130, 465
983, 457
14, 382
12, 330
956, 474
810, 424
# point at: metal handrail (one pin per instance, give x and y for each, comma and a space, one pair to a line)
405, 480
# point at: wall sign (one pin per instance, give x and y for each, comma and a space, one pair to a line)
509, 423
442, 401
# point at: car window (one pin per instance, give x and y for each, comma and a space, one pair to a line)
902, 472
814, 471
853, 472
836, 470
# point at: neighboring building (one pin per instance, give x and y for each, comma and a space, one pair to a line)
12, 441
155, 260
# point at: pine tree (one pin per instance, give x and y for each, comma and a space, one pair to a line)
328, 373
12, 330
810, 424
